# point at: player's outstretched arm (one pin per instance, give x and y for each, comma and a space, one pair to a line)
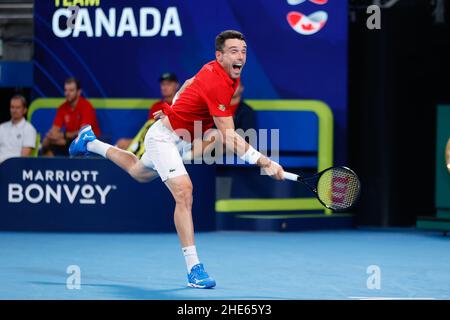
245, 151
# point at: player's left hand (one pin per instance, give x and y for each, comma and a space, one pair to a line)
159, 115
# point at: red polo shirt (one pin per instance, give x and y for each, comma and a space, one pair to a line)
209, 95
74, 118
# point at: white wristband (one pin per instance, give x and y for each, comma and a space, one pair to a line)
251, 156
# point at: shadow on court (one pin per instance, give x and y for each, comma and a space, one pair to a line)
122, 291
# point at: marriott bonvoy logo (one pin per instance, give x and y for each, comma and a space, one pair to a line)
59, 186
307, 24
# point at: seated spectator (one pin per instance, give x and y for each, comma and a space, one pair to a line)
169, 86
73, 114
17, 136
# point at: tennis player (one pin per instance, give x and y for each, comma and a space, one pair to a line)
203, 99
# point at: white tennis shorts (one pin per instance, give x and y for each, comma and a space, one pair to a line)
164, 151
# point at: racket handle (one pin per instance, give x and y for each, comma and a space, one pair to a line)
290, 176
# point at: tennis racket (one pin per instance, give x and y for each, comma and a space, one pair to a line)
337, 188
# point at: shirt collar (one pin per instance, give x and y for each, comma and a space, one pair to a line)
18, 124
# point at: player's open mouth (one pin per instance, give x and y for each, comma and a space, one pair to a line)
237, 67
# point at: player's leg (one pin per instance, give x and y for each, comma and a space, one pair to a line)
86, 141
181, 189
142, 173
123, 143
162, 152
128, 162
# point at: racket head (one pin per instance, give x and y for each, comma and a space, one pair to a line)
338, 188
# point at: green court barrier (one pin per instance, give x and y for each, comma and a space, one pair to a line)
116, 103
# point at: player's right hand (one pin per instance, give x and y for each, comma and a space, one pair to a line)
272, 169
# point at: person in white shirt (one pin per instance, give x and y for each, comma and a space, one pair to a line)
17, 136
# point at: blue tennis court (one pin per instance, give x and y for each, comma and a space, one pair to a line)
246, 265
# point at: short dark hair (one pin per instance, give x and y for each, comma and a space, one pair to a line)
73, 80
21, 98
225, 35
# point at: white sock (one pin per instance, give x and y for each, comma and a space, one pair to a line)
98, 147
190, 255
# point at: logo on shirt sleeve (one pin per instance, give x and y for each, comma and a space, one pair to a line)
221, 107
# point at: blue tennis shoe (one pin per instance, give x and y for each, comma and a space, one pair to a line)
199, 278
79, 145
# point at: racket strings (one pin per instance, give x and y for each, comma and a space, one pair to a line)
338, 188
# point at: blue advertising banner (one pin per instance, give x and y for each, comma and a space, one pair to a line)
297, 49
94, 195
